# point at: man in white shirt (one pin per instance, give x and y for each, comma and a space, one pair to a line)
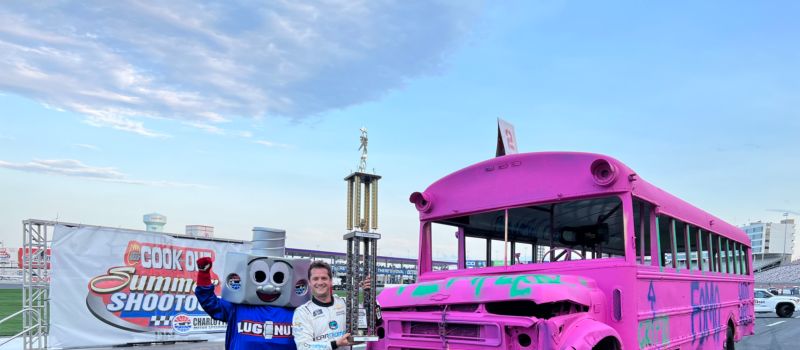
319, 324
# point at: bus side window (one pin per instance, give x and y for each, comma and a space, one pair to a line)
475, 252
714, 244
681, 245
694, 249
444, 245
737, 258
746, 260
741, 257
705, 242
641, 220
723, 255
665, 242
726, 244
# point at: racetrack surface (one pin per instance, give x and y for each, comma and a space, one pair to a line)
772, 333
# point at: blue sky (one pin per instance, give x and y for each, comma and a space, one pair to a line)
237, 115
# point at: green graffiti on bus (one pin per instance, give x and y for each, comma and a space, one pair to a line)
518, 285
650, 331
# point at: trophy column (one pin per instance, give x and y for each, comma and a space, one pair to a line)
362, 255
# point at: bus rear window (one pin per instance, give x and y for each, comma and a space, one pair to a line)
591, 228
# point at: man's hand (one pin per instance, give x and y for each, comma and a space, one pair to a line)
204, 271
366, 283
344, 340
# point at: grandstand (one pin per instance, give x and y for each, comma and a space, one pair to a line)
788, 274
764, 262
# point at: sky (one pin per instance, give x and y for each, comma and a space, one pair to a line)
234, 114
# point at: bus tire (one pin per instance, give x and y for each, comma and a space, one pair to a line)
784, 310
730, 336
608, 343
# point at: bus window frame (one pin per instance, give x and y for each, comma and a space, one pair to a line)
711, 261
725, 255
642, 231
747, 265
740, 258
646, 212
425, 260
700, 259
688, 228
718, 251
687, 248
673, 244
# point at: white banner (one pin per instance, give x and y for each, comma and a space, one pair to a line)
113, 286
507, 138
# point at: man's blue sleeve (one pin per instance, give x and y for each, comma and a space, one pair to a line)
215, 307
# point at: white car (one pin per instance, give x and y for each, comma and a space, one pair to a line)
783, 306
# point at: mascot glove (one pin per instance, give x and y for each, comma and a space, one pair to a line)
204, 271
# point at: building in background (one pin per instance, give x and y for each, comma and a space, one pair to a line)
773, 238
200, 231
10, 272
155, 222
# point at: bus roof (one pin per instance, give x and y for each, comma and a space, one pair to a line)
527, 178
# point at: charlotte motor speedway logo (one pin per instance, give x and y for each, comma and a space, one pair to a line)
153, 291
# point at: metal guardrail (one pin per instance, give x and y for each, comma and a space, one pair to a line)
24, 330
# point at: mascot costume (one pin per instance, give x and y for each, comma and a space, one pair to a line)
260, 292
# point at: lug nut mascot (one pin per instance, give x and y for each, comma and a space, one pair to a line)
260, 292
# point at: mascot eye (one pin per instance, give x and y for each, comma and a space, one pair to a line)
259, 270
281, 271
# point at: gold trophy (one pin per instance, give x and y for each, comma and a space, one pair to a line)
362, 250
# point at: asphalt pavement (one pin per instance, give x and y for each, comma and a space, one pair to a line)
773, 333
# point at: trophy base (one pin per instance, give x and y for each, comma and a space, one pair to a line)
364, 338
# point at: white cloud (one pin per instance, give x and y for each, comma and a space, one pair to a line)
271, 144
207, 128
75, 168
69, 167
119, 62
86, 146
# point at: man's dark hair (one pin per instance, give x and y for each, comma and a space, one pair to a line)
319, 264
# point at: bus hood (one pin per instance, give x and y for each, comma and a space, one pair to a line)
480, 289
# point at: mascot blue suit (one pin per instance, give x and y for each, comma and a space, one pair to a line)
261, 291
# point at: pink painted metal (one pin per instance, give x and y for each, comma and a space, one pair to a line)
612, 302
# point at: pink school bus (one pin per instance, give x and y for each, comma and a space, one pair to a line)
611, 262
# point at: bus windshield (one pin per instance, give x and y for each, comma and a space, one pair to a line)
564, 230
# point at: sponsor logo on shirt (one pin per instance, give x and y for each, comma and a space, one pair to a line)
331, 335
266, 329
333, 325
316, 312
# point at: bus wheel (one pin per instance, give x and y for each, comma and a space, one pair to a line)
729, 338
608, 343
784, 310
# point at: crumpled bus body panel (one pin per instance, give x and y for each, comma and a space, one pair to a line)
539, 288
503, 307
